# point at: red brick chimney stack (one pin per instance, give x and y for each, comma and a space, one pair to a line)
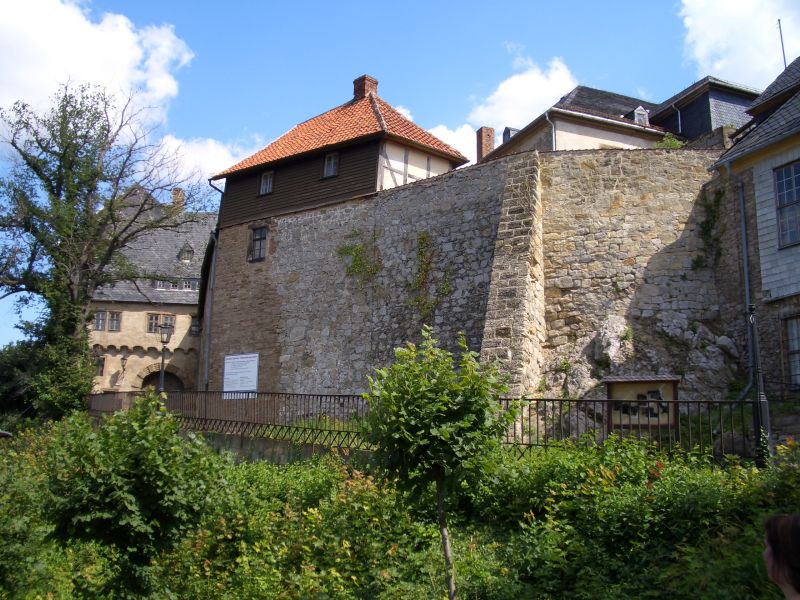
485, 137
364, 85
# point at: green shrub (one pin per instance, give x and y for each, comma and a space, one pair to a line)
134, 486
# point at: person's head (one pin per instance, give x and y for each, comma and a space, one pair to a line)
782, 552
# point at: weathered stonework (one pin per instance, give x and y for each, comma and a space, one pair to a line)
515, 327
318, 330
621, 236
540, 259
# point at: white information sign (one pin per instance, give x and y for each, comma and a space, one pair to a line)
241, 373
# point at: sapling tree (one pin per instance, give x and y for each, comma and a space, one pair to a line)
433, 420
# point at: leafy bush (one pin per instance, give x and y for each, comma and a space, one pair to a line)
134, 486
574, 521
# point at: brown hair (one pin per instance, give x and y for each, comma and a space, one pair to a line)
783, 537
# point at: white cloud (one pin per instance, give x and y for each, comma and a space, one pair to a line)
515, 102
206, 157
462, 139
523, 96
47, 42
404, 111
739, 41
44, 43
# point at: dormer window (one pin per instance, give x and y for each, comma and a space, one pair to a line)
186, 253
331, 167
265, 183
641, 117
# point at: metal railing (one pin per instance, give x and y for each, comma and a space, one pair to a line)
717, 428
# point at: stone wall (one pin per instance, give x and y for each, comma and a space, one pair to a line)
566, 266
629, 288
318, 329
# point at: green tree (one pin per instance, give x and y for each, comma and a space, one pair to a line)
86, 180
134, 486
434, 421
669, 141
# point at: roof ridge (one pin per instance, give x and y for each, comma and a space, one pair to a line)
377, 110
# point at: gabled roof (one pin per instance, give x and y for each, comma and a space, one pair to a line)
596, 101
784, 85
698, 87
359, 118
157, 253
783, 123
585, 103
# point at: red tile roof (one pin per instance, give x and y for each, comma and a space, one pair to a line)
355, 119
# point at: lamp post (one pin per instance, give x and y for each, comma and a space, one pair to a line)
166, 333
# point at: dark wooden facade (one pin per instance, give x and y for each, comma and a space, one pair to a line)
298, 184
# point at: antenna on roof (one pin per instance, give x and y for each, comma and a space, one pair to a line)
780, 32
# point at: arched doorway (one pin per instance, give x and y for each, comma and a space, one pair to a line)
172, 383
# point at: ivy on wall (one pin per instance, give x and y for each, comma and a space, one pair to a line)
361, 257
710, 233
423, 299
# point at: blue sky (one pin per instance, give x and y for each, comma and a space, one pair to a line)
226, 79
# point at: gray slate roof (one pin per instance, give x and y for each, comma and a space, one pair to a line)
584, 98
157, 253
781, 124
789, 78
697, 86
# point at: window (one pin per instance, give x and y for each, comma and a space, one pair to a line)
100, 320
331, 167
188, 284
194, 330
793, 350
787, 192
160, 284
114, 321
258, 244
100, 366
186, 253
153, 321
173, 285
265, 184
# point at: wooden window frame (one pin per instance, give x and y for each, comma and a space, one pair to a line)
100, 320
269, 178
330, 158
791, 206
114, 321
258, 244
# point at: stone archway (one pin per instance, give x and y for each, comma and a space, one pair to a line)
172, 383
149, 376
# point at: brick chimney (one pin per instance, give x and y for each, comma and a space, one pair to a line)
485, 137
178, 198
364, 85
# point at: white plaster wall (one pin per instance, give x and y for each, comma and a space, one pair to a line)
576, 136
399, 165
780, 267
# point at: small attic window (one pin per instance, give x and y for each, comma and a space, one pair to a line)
331, 166
186, 253
265, 183
641, 117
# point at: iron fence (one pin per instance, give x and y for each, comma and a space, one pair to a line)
718, 428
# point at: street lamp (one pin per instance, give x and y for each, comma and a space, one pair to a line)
165, 331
